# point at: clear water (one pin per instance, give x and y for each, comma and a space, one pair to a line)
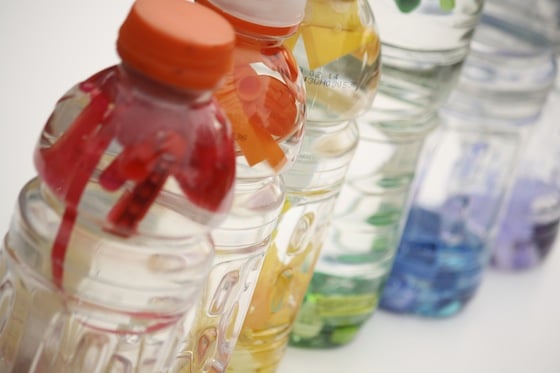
429, 27
423, 52
121, 304
109, 247
312, 186
284, 277
442, 253
264, 97
408, 95
529, 227
457, 196
507, 75
241, 242
435, 273
362, 238
540, 19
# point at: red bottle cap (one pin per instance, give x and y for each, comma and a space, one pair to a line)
177, 42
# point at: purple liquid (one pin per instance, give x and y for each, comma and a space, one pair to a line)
439, 263
529, 227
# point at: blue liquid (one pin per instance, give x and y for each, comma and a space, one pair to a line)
433, 276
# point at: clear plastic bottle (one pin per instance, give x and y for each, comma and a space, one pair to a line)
264, 97
528, 226
424, 44
109, 245
337, 49
466, 171
539, 20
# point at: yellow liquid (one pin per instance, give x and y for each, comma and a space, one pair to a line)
275, 303
283, 281
332, 31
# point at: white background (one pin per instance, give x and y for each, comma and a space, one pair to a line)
512, 325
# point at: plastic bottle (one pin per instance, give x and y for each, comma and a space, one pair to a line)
423, 45
109, 245
528, 226
539, 20
264, 97
466, 172
337, 49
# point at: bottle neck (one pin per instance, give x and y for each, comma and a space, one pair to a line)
258, 42
252, 29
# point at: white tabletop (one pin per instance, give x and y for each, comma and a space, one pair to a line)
512, 325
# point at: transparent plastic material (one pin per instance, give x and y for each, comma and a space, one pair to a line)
455, 203
241, 243
311, 187
337, 49
119, 304
513, 74
264, 98
363, 236
424, 44
539, 19
528, 227
466, 173
113, 171
109, 247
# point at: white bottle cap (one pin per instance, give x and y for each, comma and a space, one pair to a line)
271, 13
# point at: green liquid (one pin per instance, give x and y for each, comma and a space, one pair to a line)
333, 311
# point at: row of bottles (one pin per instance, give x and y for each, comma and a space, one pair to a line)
337, 49
457, 223
253, 175
254, 94
264, 98
418, 70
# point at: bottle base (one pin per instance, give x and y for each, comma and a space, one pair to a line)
259, 351
520, 258
328, 338
400, 299
435, 311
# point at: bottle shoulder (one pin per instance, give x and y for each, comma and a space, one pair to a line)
124, 142
264, 97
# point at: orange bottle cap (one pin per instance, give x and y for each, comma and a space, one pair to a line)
177, 42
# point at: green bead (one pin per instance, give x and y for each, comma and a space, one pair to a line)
447, 5
387, 215
407, 6
308, 323
344, 335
